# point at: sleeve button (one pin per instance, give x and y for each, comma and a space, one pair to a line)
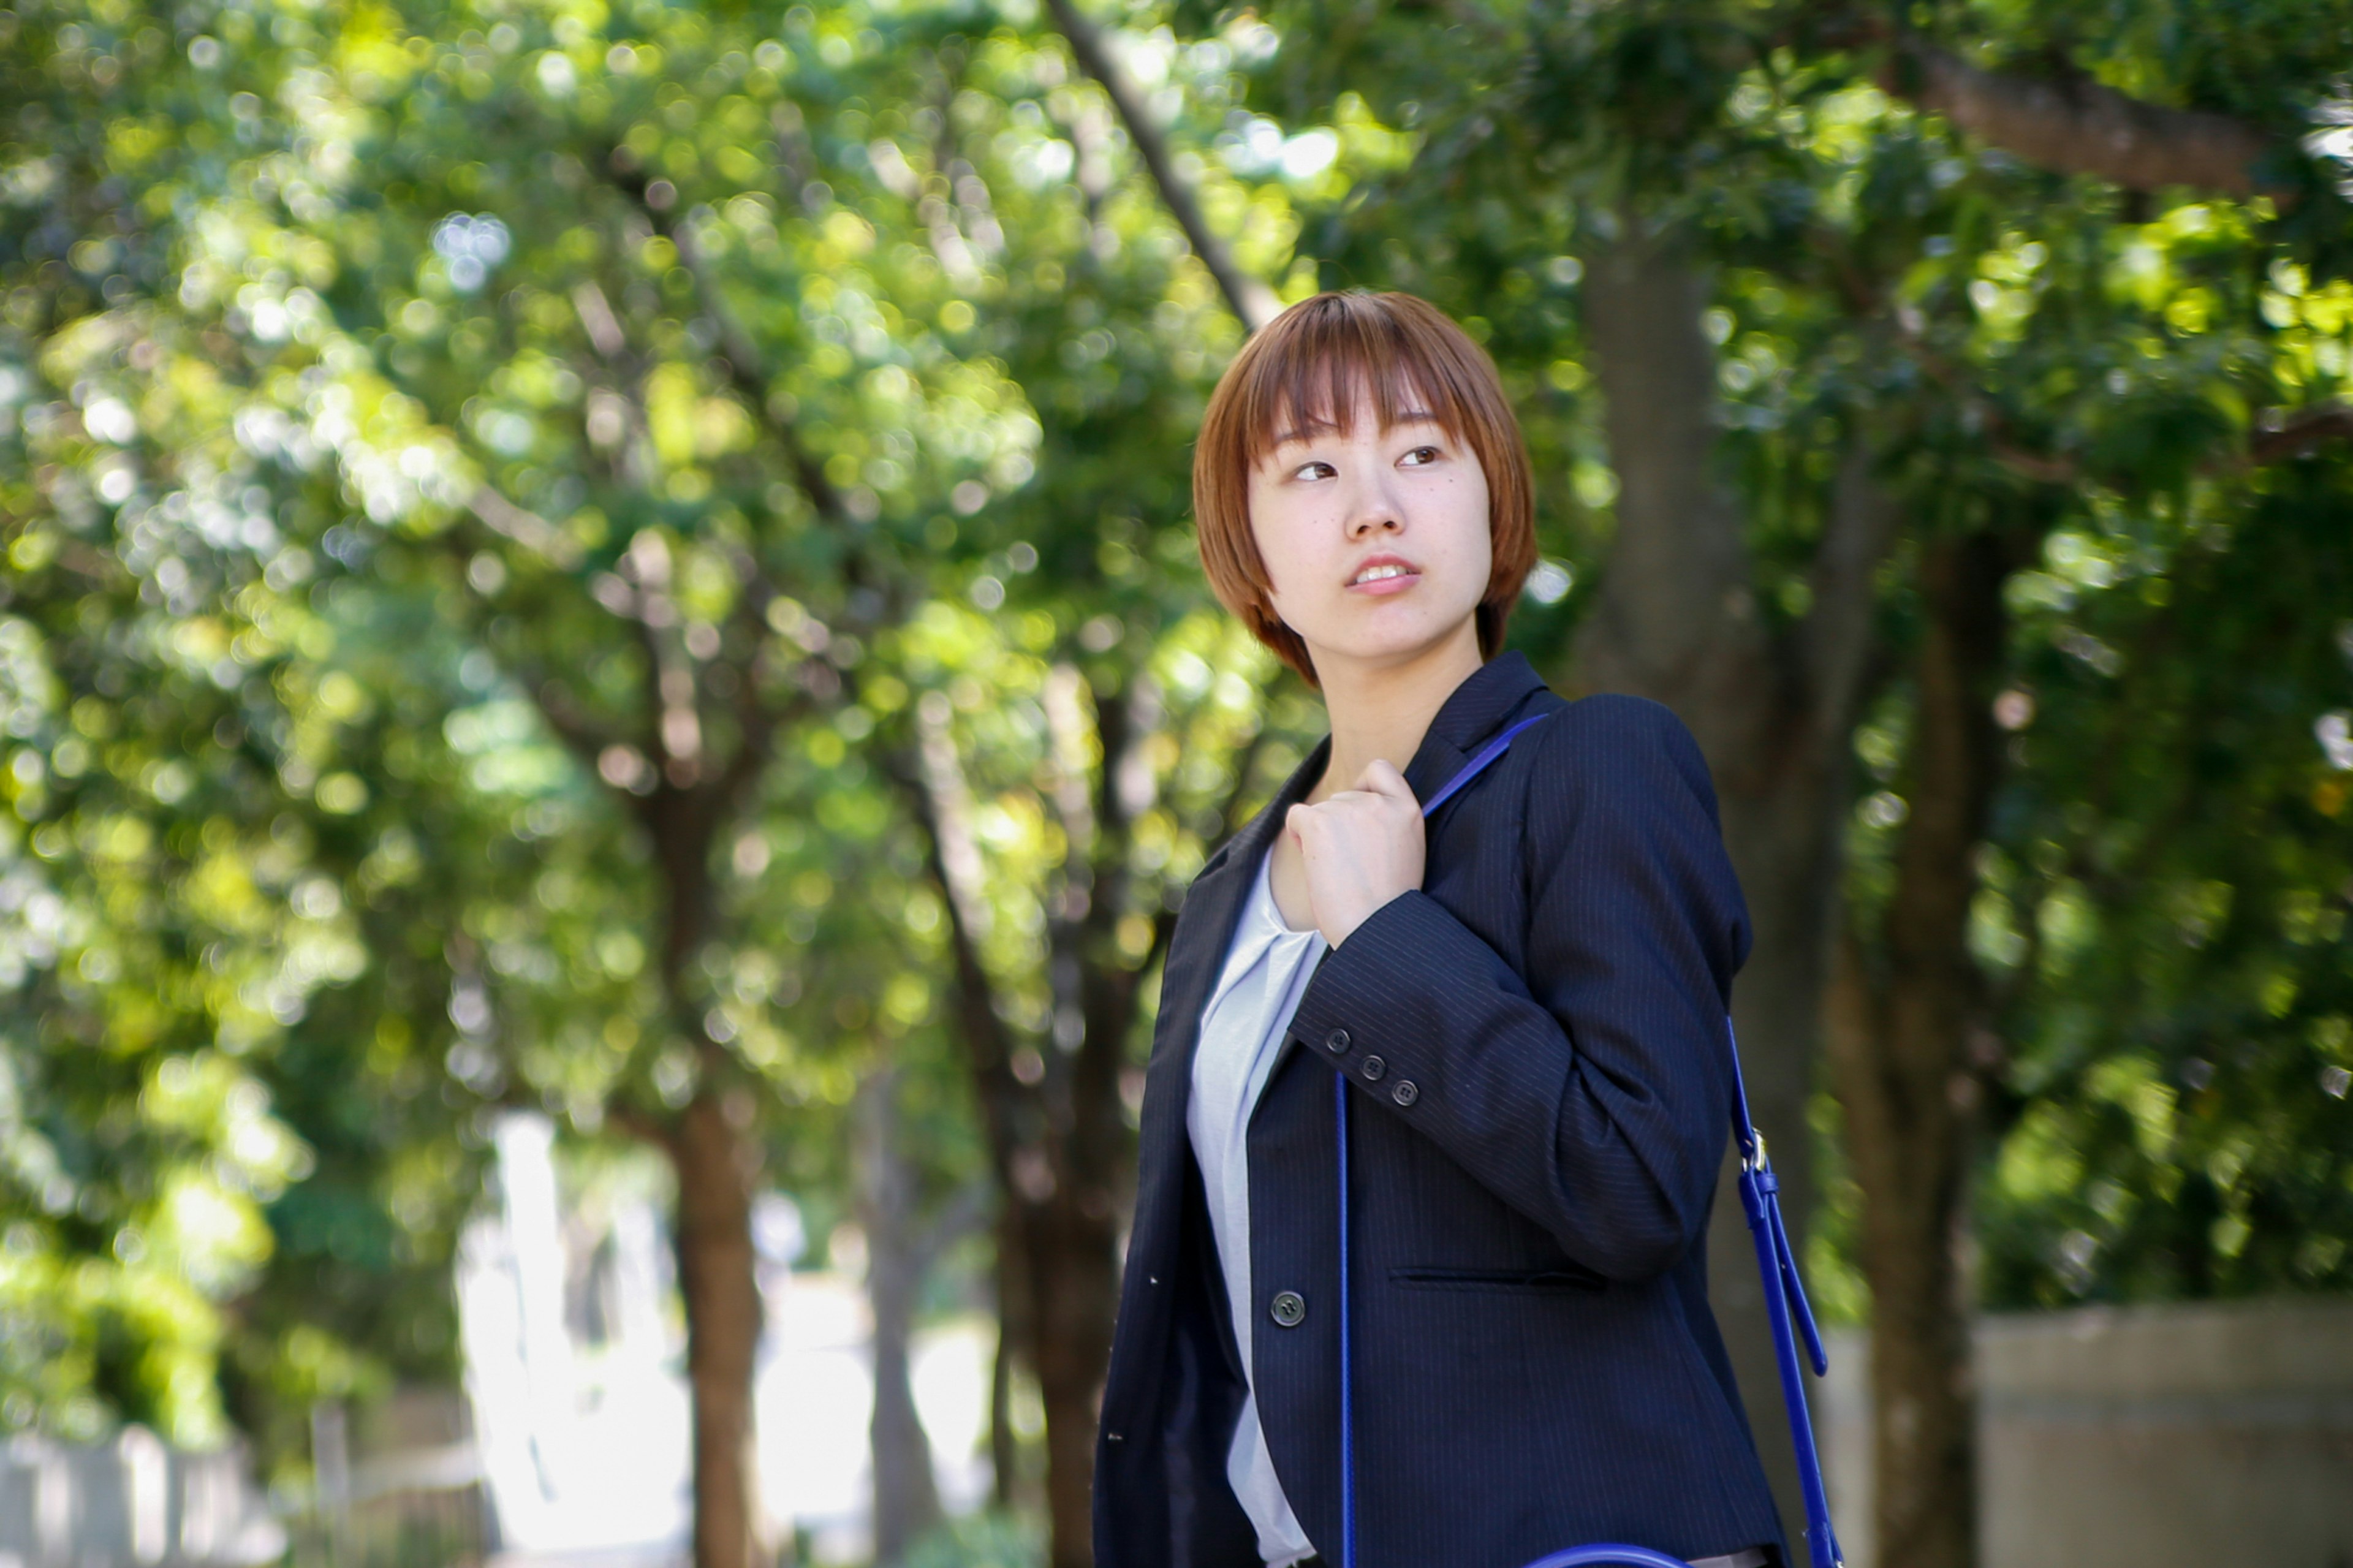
1289, 1308
1372, 1068
1336, 1042
1405, 1092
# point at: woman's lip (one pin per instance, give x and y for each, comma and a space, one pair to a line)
1380, 587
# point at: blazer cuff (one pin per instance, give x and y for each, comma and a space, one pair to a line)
1366, 1010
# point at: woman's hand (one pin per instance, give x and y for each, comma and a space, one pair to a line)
1362, 846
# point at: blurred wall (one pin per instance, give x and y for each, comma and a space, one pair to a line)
129, 1503
2204, 1436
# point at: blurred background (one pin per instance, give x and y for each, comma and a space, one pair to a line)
605, 700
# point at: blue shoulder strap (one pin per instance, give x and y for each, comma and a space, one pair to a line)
1478, 763
1784, 1295
1785, 1299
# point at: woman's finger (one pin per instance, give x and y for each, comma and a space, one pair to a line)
1380, 777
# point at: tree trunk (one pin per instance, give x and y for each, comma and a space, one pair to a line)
1012, 1342
1073, 1262
1903, 1009
906, 1493
709, 1142
723, 1327
1059, 1145
1677, 621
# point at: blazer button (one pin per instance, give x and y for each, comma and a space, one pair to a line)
1372, 1068
1405, 1092
1289, 1308
1336, 1042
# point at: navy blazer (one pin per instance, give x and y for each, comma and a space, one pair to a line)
1537, 1041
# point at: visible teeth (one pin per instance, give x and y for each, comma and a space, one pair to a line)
1378, 573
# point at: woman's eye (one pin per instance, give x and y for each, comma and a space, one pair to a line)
1420, 455
1315, 470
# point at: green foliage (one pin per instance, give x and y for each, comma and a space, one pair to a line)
985, 1540
164, 922
440, 433
2169, 900
408, 404
2099, 376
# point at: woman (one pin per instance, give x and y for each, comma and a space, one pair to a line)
1525, 995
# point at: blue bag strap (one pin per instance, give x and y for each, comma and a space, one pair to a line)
1787, 1308
1478, 763
1785, 1293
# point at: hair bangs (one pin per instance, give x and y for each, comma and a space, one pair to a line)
1314, 370
1342, 358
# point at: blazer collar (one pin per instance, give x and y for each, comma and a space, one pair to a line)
1221, 888
1488, 698
1481, 705
1478, 707
1212, 907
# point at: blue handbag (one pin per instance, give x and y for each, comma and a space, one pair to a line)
1785, 1299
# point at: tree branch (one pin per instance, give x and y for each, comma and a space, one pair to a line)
96, 566
756, 725
2297, 435
1253, 302
1836, 637
745, 370
597, 318
932, 791
528, 528
580, 734
638, 1124
1066, 702
1230, 822
2073, 125
2301, 433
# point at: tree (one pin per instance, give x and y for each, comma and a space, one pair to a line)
644, 555
1707, 167
352, 309
625, 462
1130, 753
165, 918
2163, 911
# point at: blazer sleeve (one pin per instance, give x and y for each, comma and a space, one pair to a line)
1593, 1095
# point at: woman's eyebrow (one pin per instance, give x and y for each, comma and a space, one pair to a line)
1324, 427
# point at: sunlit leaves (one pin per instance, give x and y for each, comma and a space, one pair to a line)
2108, 375
2177, 871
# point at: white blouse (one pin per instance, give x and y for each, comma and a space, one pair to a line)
1266, 973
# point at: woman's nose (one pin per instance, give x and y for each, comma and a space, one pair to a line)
1375, 510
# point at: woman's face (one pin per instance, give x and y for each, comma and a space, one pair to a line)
1376, 541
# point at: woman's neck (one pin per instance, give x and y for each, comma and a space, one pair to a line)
1381, 711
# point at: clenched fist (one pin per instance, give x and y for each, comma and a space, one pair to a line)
1362, 847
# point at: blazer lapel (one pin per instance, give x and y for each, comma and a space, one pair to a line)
1495, 693
1435, 762
1212, 907
1476, 710
1196, 956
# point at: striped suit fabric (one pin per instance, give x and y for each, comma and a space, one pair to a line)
1542, 1093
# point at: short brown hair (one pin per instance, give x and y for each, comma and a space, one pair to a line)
1310, 367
